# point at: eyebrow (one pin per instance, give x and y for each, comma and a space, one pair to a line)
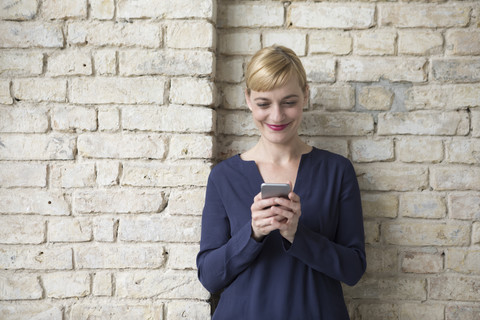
287, 97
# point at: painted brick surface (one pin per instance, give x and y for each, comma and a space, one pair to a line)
112, 114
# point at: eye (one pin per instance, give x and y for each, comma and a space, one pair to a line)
263, 105
290, 102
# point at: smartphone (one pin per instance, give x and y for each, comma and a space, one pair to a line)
270, 190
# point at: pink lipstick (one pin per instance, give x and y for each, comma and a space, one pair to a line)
277, 127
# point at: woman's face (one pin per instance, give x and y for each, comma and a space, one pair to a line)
278, 113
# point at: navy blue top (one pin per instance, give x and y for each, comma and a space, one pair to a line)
273, 279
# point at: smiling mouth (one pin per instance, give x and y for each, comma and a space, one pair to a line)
278, 127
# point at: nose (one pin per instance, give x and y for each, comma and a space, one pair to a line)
277, 114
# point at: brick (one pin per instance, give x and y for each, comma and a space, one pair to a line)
22, 230
333, 98
155, 229
341, 16
102, 9
336, 124
424, 123
62, 285
19, 10
72, 118
116, 90
420, 42
414, 233
293, 40
72, 175
182, 119
372, 232
119, 257
475, 123
462, 312
114, 311
463, 260
452, 287
169, 62
233, 97
105, 62
20, 287
462, 42
104, 229
36, 147
195, 310
191, 9
18, 174
412, 311
40, 89
130, 9
107, 173
455, 178
230, 69
102, 284
36, 258
30, 201
5, 96
108, 119
229, 146
186, 201
118, 201
334, 42
19, 63
381, 260
165, 174
379, 205
119, 33
367, 150
319, 69
250, 14
69, 63
30, 34
378, 311
388, 177
64, 9
463, 151
464, 206
374, 43
191, 147
476, 233
69, 230
419, 149
422, 262
367, 69
24, 118
456, 70
160, 284
443, 97
192, 91
30, 310
239, 43
182, 257
422, 205
413, 15
376, 98
190, 34
399, 288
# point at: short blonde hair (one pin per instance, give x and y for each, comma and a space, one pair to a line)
272, 67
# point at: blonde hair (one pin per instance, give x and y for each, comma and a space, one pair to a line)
272, 67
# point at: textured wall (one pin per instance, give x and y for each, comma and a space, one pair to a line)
395, 86
109, 125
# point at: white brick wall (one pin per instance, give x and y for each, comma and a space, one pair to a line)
112, 113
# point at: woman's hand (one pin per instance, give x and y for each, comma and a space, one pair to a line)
275, 213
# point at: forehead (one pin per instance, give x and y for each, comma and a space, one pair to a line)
291, 87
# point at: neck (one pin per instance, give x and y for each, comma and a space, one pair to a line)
281, 153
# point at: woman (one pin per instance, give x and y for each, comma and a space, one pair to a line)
280, 258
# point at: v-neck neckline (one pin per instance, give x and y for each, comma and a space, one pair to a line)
259, 178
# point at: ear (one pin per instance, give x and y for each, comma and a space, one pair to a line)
247, 99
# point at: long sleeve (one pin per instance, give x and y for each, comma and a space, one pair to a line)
343, 258
222, 256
